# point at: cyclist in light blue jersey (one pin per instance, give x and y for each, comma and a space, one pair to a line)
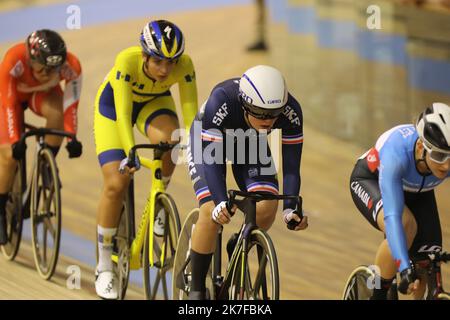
393, 185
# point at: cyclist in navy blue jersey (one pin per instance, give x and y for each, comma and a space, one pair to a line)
234, 124
393, 185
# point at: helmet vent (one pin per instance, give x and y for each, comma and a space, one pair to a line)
442, 118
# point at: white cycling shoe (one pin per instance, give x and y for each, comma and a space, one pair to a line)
106, 285
160, 222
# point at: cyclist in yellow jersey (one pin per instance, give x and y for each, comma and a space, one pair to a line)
137, 91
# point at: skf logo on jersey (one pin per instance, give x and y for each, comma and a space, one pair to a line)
373, 160
291, 115
54, 60
362, 194
220, 114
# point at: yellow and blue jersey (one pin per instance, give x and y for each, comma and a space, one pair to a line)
129, 96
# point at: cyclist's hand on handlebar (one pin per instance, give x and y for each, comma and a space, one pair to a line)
18, 150
220, 213
74, 148
408, 281
294, 220
129, 166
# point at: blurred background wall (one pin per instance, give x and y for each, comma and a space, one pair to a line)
354, 81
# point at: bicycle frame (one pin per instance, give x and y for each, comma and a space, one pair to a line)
147, 217
155, 166
432, 267
248, 206
40, 144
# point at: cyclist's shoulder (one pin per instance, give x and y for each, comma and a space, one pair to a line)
14, 61
183, 70
73, 63
292, 116
225, 92
15, 53
185, 62
128, 56
229, 87
395, 146
397, 138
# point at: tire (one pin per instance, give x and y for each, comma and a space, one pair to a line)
443, 296
46, 214
161, 272
261, 280
181, 266
14, 214
357, 287
121, 249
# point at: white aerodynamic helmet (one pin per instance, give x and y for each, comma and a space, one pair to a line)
433, 127
263, 92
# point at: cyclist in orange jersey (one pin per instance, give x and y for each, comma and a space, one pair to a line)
30, 77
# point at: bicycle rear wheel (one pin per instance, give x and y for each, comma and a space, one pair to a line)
359, 284
46, 214
164, 249
14, 214
260, 279
121, 249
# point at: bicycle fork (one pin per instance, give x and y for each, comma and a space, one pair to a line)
148, 220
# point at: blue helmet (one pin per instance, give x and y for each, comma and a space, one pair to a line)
162, 39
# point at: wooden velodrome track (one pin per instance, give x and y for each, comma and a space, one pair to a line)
313, 264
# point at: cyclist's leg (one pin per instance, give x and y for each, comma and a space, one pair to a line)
50, 106
204, 234
366, 196
158, 120
429, 234
252, 178
203, 244
7, 167
110, 152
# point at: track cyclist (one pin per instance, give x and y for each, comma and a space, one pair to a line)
250, 106
137, 92
30, 76
393, 184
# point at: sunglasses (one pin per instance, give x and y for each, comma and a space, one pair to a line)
40, 68
436, 156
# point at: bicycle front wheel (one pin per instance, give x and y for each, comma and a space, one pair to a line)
181, 266
46, 214
14, 214
359, 284
259, 279
443, 296
164, 248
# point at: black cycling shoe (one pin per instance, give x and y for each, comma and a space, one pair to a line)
231, 244
3, 233
197, 295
